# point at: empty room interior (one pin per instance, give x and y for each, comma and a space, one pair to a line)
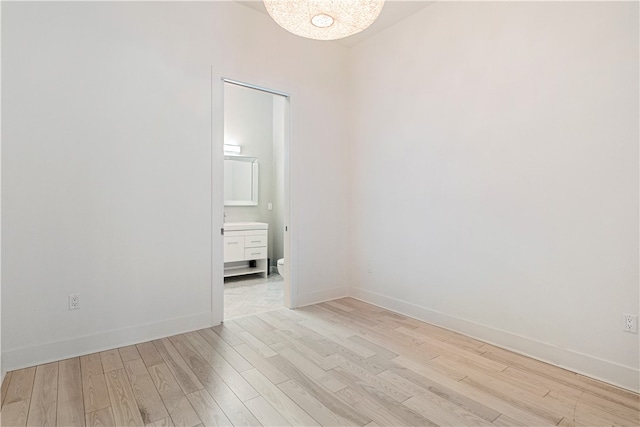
337, 213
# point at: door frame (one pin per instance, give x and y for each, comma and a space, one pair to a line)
217, 197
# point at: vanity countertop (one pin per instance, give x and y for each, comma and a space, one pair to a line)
239, 226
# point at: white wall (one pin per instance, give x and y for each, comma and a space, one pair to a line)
2, 369
107, 172
495, 176
276, 233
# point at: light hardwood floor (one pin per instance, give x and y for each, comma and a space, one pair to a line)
338, 363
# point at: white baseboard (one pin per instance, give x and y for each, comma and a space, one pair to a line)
35, 355
613, 373
322, 296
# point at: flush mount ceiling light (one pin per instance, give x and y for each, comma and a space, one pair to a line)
324, 19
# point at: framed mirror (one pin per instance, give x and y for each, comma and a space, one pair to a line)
240, 181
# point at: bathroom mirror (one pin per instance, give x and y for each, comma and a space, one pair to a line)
240, 181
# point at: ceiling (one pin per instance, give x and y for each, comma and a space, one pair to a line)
392, 12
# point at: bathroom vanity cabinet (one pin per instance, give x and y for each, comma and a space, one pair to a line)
245, 248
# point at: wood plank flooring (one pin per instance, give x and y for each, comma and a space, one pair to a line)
339, 363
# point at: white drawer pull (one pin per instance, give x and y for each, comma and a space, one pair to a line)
255, 253
232, 243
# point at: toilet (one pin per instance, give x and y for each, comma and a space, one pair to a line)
281, 267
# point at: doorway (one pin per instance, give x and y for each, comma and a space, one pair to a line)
256, 238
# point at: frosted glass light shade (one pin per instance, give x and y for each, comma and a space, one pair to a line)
324, 19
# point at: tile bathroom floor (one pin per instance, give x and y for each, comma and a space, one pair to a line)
248, 295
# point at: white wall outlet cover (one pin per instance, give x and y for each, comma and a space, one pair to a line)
74, 302
630, 323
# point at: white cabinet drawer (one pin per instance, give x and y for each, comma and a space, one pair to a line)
233, 248
245, 248
255, 241
255, 253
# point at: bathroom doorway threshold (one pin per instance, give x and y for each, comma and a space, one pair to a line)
249, 295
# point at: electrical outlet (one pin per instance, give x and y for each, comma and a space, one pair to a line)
74, 302
369, 268
630, 323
